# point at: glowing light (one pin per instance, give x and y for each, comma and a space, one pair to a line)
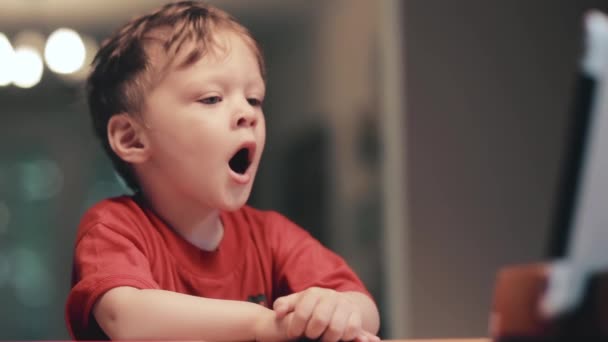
27, 67
33, 283
42, 179
30, 38
64, 51
7, 55
6, 61
91, 47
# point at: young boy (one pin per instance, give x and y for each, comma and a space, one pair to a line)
176, 99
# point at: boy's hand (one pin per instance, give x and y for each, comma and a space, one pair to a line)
269, 328
318, 312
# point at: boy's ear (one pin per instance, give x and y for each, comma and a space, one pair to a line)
128, 139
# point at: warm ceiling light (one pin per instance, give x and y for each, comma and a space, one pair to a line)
27, 67
64, 51
6, 61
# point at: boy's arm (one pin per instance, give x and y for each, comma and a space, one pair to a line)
326, 293
126, 313
332, 315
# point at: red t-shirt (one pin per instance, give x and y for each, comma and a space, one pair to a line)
262, 256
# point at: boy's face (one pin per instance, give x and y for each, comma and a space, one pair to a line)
205, 127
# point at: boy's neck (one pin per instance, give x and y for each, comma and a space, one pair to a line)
202, 228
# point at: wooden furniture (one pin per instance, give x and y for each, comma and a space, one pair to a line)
516, 317
445, 340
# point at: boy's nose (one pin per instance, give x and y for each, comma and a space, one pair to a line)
246, 118
246, 121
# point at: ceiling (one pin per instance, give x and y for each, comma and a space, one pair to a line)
101, 15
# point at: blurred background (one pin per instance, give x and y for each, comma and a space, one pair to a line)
420, 139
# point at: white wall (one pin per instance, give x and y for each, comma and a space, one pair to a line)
489, 89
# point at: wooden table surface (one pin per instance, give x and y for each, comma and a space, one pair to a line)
446, 340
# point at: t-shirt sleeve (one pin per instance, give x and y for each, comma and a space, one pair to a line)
302, 262
104, 258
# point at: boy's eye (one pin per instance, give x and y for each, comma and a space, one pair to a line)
254, 102
210, 100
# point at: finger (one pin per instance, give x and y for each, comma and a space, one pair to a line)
353, 327
286, 304
374, 338
361, 338
286, 323
367, 337
337, 325
302, 312
321, 316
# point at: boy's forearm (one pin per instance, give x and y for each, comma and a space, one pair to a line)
369, 311
159, 314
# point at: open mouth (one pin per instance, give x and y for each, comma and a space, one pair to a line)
241, 161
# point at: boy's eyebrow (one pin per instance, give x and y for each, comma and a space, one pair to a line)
195, 88
253, 83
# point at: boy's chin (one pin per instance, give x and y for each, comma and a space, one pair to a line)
232, 207
234, 204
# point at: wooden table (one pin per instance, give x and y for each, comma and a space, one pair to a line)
446, 340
